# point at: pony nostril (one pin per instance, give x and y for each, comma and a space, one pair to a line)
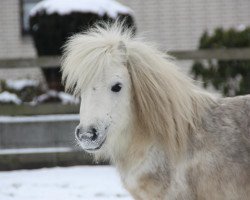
78, 134
91, 134
93, 130
94, 135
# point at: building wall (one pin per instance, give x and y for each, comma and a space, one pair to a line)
178, 25
175, 25
12, 42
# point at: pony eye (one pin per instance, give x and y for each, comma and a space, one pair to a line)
116, 88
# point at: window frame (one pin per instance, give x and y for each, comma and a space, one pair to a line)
23, 30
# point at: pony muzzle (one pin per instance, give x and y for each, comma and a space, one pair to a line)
90, 138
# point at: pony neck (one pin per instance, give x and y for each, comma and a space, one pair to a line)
138, 150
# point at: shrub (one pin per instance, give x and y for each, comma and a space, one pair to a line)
51, 30
231, 77
25, 89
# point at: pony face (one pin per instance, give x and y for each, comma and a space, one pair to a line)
129, 90
104, 110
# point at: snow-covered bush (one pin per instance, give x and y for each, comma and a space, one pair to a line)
53, 21
26, 91
55, 96
9, 98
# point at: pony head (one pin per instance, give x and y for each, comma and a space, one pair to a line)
128, 89
94, 68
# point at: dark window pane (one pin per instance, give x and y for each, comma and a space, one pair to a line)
26, 6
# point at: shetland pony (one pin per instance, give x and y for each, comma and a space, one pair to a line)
168, 139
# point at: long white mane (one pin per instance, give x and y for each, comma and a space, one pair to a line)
167, 105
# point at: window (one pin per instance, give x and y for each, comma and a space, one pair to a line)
26, 6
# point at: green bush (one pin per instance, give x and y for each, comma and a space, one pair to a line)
230, 77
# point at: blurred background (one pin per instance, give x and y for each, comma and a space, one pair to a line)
209, 38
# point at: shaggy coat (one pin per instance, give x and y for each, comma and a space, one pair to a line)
178, 142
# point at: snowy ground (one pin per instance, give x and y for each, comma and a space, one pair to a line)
69, 183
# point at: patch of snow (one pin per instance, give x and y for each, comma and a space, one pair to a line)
44, 97
64, 98
67, 98
68, 183
36, 150
7, 97
241, 27
21, 84
62, 7
39, 118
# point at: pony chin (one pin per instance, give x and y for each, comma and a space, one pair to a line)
117, 142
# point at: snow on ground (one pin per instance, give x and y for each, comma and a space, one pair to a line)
69, 183
7, 97
100, 7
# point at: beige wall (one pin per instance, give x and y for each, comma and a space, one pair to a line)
174, 24
178, 24
12, 43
